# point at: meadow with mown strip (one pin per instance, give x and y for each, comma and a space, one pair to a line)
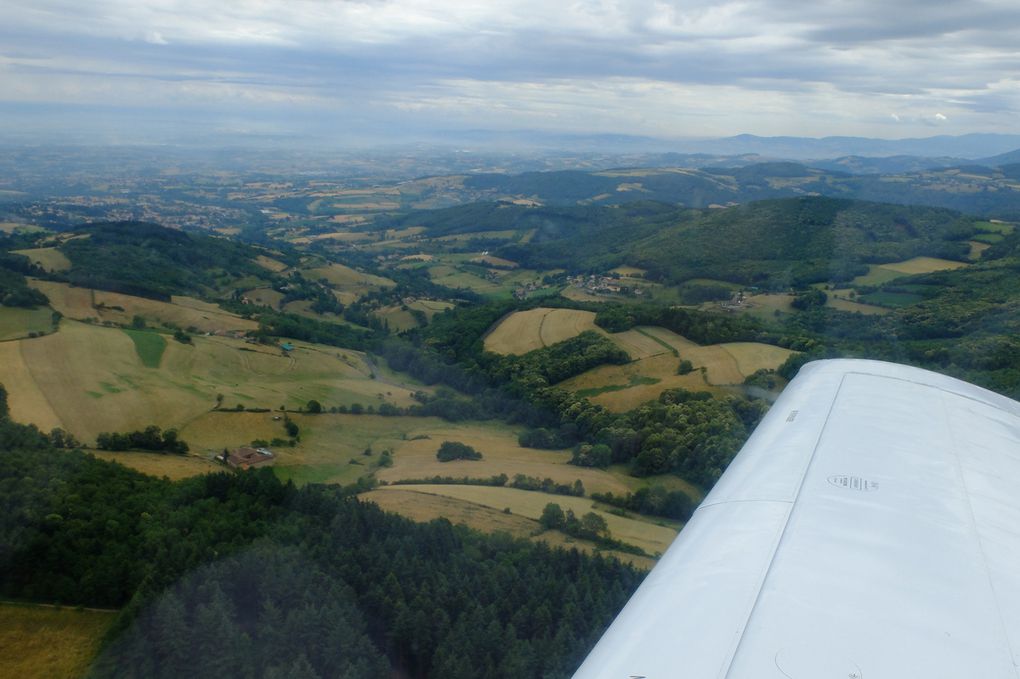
653, 537
50, 259
425, 506
658, 353
883, 273
102, 306
524, 331
18, 322
44, 642
89, 379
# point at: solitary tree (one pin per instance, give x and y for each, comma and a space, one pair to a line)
593, 525
552, 516
454, 450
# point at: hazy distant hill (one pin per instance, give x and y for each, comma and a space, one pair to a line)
1010, 158
970, 146
803, 148
887, 164
974, 189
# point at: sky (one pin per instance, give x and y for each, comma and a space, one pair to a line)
377, 70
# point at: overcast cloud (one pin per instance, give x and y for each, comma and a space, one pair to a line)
340, 70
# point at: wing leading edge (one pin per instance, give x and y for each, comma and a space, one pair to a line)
869, 529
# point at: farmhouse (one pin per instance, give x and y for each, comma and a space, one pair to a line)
246, 457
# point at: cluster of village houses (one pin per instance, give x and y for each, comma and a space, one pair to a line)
596, 284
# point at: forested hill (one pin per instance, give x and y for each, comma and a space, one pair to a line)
974, 189
797, 241
771, 244
244, 575
149, 260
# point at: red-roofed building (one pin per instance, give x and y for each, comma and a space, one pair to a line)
247, 457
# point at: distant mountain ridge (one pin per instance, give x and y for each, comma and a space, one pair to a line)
968, 146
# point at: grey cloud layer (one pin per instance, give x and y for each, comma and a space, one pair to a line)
766, 66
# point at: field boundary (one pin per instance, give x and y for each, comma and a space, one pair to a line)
658, 340
496, 324
36, 604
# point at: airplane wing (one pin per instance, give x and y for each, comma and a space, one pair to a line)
869, 529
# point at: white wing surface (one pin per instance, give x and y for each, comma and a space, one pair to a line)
869, 529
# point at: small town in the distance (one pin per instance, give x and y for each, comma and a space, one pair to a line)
426, 413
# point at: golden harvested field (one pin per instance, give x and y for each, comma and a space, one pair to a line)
623, 387
396, 234
580, 295
506, 233
303, 307
562, 324
839, 299
89, 379
641, 172
99, 305
265, 297
453, 277
416, 458
524, 331
172, 466
16, 322
18, 227
50, 259
753, 356
348, 219
882, 273
347, 278
75, 303
765, 305
49, 643
423, 506
490, 260
651, 537
518, 333
270, 264
27, 401
431, 307
977, 249
919, 265
396, 318
340, 236
876, 276
629, 271
640, 344
727, 363
620, 388
400, 319
721, 366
